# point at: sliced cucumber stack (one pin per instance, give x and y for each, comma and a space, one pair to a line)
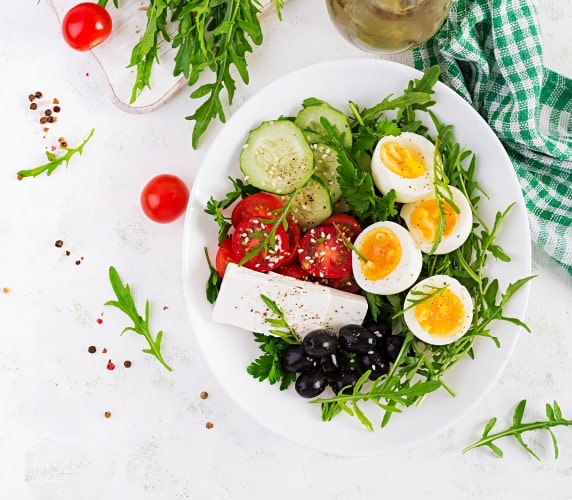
276, 157
326, 165
312, 205
309, 120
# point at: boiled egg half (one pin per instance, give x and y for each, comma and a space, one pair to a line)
405, 164
422, 219
438, 310
386, 259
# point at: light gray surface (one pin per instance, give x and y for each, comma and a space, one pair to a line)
55, 442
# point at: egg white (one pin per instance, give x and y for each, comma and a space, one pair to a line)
407, 270
406, 189
427, 286
449, 242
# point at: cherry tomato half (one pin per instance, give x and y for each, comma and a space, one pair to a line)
224, 256
294, 235
294, 271
323, 253
346, 283
345, 223
164, 198
263, 205
247, 239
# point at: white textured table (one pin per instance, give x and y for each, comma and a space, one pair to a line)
55, 442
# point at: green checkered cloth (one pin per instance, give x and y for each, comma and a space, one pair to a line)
489, 51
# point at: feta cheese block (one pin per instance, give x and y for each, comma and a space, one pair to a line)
306, 305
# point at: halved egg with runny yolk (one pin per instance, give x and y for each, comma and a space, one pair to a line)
386, 259
405, 164
438, 310
422, 219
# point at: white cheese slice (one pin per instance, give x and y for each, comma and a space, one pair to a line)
307, 306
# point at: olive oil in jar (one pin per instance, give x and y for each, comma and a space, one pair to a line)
388, 26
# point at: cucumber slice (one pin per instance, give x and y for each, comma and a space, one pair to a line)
276, 157
308, 119
326, 164
312, 204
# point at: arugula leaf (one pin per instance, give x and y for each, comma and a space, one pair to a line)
140, 326
216, 207
208, 35
214, 281
518, 428
55, 161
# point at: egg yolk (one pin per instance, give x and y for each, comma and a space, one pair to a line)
425, 218
401, 160
441, 314
381, 250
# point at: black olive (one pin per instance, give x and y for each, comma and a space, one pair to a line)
344, 378
295, 359
355, 338
390, 346
375, 362
311, 383
378, 328
328, 364
320, 343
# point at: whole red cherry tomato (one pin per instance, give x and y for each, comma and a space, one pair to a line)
86, 25
164, 198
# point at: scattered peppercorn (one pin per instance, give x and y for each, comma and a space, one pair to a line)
56, 109
127, 363
68, 253
204, 395
48, 112
38, 94
59, 243
33, 106
107, 414
31, 97
77, 262
43, 119
209, 425
63, 142
91, 349
51, 119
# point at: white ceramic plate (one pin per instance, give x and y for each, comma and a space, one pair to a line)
229, 350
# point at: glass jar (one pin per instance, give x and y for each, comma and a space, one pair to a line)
388, 26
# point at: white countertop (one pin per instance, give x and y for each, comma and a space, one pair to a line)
55, 442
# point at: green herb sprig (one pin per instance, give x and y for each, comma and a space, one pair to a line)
55, 161
208, 35
269, 365
140, 326
554, 418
